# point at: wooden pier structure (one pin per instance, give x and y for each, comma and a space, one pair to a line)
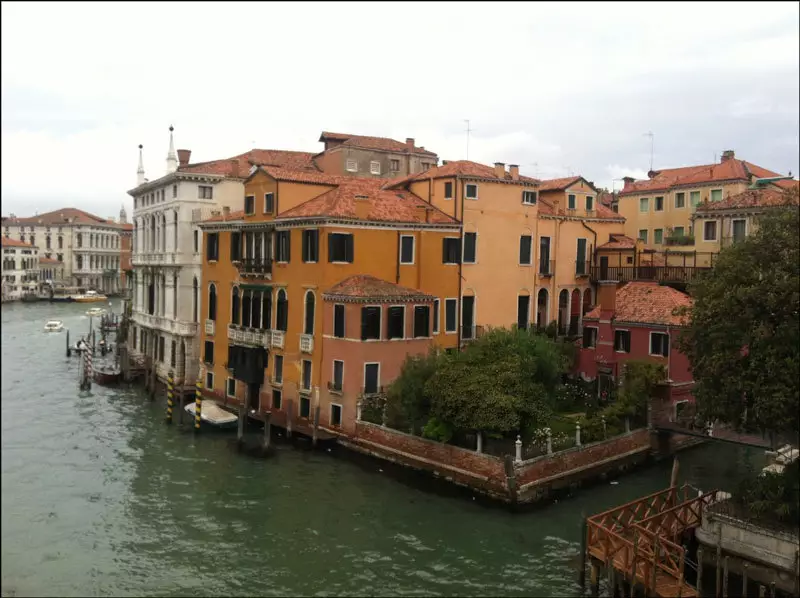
638, 543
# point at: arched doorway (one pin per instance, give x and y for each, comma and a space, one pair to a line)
575, 313
542, 304
563, 311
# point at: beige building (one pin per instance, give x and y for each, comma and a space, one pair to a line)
20, 274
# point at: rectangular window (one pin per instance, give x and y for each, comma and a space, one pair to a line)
589, 203
716, 195
340, 248
580, 258
374, 167
371, 378
196, 241
680, 200
161, 343
622, 341
678, 231
589, 337
370, 323
311, 246
659, 344
450, 315
470, 247
352, 166
525, 250
694, 198
336, 415
338, 321
250, 204
471, 191
230, 387
210, 380
529, 197
305, 407
306, 375
208, 353
739, 230
450, 250
710, 230
212, 247
571, 202
658, 236
338, 375
396, 325
406, 249
394, 165
205, 192
277, 399
422, 321
659, 205
448, 190
269, 203
643, 235
544, 256
172, 354
283, 245
277, 374
236, 246
436, 305
644, 204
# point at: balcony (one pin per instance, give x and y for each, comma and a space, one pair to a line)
676, 274
306, 343
176, 327
255, 267
152, 258
210, 326
679, 240
250, 337
335, 387
547, 267
375, 391
278, 338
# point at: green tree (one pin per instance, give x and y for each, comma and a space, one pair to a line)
743, 337
409, 405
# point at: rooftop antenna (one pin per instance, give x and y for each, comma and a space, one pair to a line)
468, 132
535, 169
652, 137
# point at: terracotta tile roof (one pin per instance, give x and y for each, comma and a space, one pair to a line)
382, 205
753, 198
558, 184
301, 176
460, 168
732, 169
49, 261
647, 303
606, 198
366, 287
9, 242
374, 143
600, 211
57, 217
618, 242
787, 184
221, 217
225, 167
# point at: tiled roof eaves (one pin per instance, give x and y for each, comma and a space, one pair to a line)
648, 324
688, 185
579, 218
326, 220
378, 298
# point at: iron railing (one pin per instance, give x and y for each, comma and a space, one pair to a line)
253, 265
547, 267
654, 273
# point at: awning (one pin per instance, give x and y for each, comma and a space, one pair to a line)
255, 287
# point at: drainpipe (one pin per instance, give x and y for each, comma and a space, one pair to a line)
460, 264
593, 253
397, 274
535, 258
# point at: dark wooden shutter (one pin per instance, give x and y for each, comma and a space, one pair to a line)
348, 249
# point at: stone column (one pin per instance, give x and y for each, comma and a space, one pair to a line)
518, 450
577, 434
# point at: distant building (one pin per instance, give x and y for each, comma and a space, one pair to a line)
374, 157
51, 270
20, 269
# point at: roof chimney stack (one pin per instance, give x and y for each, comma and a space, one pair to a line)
226, 211
727, 155
183, 157
500, 170
234, 168
628, 180
410, 143
513, 169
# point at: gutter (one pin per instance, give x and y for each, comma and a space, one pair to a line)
399, 249
460, 263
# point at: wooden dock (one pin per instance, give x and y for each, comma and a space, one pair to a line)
637, 543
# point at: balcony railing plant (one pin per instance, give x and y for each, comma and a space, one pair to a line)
676, 239
250, 265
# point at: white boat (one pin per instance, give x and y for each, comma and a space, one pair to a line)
54, 326
89, 297
213, 415
95, 312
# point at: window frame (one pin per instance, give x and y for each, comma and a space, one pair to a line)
280, 234
682, 195
530, 250
308, 233
455, 301
209, 376
644, 239
413, 250
389, 336
644, 202
348, 163
655, 203
711, 195
341, 415
464, 248
457, 252
595, 336
344, 320
436, 317
716, 231
572, 201
466, 191
377, 379
333, 376
414, 321
301, 387
380, 324
585, 260
331, 257
278, 406
208, 238
251, 199
270, 203
650, 348
692, 195
206, 344
627, 332
656, 235
374, 167
733, 222
201, 191
526, 194
228, 387
277, 380
448, 185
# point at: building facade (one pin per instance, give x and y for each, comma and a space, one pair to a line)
51, 270
327, 284
373, 157
20, 269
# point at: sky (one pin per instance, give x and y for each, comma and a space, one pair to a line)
558, 88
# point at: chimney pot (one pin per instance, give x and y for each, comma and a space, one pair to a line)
500, 170
234, 168
410, 143
727, 155
226, 210
513, 169
183, 156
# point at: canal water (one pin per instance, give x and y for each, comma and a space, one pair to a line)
100, 497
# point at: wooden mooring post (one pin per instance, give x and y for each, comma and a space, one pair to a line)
582, 574
68, 350
198, 406
595, 580
170, 396
267, 432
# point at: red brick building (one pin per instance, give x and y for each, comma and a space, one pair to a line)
636, 320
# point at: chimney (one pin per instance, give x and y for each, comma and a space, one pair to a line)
627, 180
234, 171
410, 143
514, 170
183, 157
500, 170
607, 295
727, 155
226, 211
444, 163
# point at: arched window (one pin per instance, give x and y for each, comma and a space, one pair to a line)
266, 308
175, 296
309, 321
563, 311
212, 302
575, 312
175, 233
587, 301
151, 296
194, 300
246, 307
163, 232
255, 310
235, 306
282, 311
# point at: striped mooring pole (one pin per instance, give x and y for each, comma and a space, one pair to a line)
198, 405
170, 403
89, 369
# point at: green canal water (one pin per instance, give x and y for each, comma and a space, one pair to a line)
101, 498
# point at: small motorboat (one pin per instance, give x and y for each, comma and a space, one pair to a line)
95, 312
213, 415
79, 347
107, 373
90, 297
54, 326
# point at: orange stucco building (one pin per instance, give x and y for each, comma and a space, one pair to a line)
314, 294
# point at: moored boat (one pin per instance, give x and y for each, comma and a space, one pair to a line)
213, 415
95, 311
107, 374
89, 297
54, 326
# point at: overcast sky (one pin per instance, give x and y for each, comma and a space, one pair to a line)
558, 88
